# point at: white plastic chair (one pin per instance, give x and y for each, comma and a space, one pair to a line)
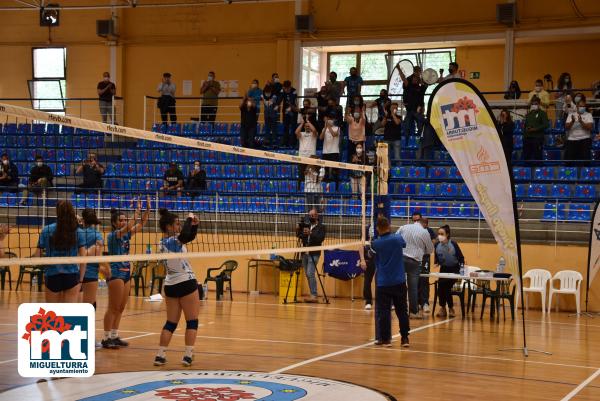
538, 282
570, 283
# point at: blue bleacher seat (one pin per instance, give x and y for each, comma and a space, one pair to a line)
420, 207
561, 191
190, 129
416, 172
52, 129
427, 189
437, 173
449, 190
10, 129
567, 173
522, 173
413, 142
398, 172
552, 155
585, 191
537, 191
590, 174
559, 127
543, 173
464, 210
438, 209
579, 212
520, 190
454, 173
345, 188
553, 211
406, 189
464, 192
397, 208
518, 142
518, 127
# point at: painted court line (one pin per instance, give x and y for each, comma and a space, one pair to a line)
581, 386
260, 340
138, 336
357, 347
8, 361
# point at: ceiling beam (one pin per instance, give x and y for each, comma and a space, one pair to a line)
28, 4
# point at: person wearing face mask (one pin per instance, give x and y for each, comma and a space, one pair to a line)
276, 82
290, 116
249, 120
392, 132
210, 98
353, 84
381, 102
271, 100
579, 133
452, 72
92, 172
513, 92
313, 176
106, 90
506, 126
333, 87
173, 180
333, 108
40, 177
541, 94
563, 88
307, 144
311, 232
255, 93
449, 258
356, 120
9, 174
569, 107
309, 113
322, 102
359, 157
166, 102
196, 181
414, 98
330, 135
536, 123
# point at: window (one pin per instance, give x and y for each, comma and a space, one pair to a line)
341, 64
311, 74
48, 86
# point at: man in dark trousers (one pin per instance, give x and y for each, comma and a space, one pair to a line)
312, 233
425, 269
391, 284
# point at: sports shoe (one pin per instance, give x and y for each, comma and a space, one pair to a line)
368, 307
120, 342
426, 308
451, 312
383, 343
186, 361
418, 315
98, 345
312, 300
404, 342
160, 361
109, 343
441, 313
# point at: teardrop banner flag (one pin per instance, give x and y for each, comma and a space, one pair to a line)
464, 123
593, 253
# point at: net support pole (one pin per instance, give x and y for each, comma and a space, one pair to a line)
44, 207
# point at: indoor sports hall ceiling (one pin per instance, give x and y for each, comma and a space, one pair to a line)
99, 4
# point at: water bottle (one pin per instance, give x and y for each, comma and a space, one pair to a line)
462, 270
148, 249
272, 256
34, 281
204, 291
501, 265
102, 284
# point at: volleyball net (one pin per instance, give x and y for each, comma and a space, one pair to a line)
249, 202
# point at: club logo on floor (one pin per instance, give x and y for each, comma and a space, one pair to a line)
56, 340
205, 386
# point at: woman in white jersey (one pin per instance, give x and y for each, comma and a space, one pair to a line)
181, 286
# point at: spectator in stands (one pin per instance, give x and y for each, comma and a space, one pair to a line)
452, 72
9, 174
540, 93
330, 135
312, 233
322, 102
196, 181
536, 122
569, 107
333, 108
429, 139
449, 258
425, 269
248, 122
40, 177
579, 133
578, 97
564, 88
506, 127
380, 103
255, 93
290, 117
391, 284
92, 172
106, 91
392, 132
367, 263
356, 119
276, 83
313, 176
307, 144
513, 92
271, 101
210, 90
353, 84
359, 157
414, 97
418, 243
308, 113
173, 180
333, 87
166, 102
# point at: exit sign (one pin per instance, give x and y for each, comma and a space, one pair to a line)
474, 75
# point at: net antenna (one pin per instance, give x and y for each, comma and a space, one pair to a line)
252, 205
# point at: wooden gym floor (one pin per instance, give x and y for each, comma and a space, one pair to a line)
448, 359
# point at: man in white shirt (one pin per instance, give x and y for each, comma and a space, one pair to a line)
418, 243
166, 102
331, 146
452, 72
307, 144
579, 133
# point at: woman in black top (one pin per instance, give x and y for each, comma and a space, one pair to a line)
513, 92
449, 258
249, 119
392, 131
506, 127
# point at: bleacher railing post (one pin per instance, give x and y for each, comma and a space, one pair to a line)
145, 112
276, 220
216, 212
556, 229
44, 207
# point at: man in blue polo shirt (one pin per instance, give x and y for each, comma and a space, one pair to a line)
391, 284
